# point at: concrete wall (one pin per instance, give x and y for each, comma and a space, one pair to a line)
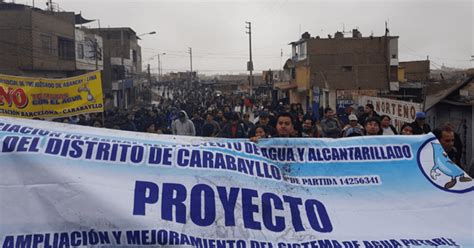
54, 27
137, 65
298, 97
350, 63
15, 43
416, 70
22, 45
303, 78
87, 41
117, 45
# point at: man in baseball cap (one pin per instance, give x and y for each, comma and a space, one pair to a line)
353, 128
420, 126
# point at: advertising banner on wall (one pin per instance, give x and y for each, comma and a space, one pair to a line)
25, 97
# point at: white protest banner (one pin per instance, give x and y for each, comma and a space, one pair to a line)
399, 111
73, 186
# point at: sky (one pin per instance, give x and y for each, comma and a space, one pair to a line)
216, 30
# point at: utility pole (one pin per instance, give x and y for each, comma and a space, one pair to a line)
149, 73
147, 97
96, 53
250, 63
125, 103
281, 58
159, 68
191, 64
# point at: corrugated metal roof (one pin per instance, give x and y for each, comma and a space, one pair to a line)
433, 99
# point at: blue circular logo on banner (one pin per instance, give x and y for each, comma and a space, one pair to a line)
440, 170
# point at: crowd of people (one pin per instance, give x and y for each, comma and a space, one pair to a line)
201, 111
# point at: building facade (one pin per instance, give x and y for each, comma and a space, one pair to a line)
324, 65
36, 43
414, 71
122, 76
89, 51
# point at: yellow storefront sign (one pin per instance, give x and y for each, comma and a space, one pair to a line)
27, 97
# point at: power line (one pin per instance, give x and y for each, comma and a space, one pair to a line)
201, 70
413, 52
224, 57
227, 52
214, 56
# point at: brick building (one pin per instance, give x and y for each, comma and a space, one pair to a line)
39, 43
122, 75
36, 43
415, 71
326, 65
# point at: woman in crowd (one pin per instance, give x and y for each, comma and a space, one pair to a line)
386, 127
406, 129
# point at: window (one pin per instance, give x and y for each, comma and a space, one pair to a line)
99, 53
118, 72
302, 51
80, 51
46, 44
394, 56
346, 68
299, 51
134, 56
66, 48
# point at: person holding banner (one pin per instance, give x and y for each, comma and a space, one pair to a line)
450, 165
261, 131
457, 141
284, 127
264, 120
446, 137
406, 129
